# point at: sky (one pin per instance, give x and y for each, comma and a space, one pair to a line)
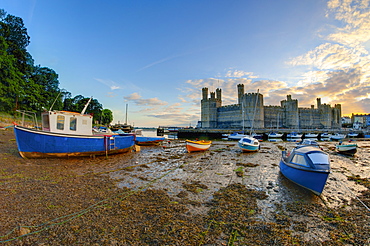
156, 56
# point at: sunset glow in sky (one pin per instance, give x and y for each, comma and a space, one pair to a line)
156, 56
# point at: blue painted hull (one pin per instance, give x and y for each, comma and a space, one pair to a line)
248, 148
149, 140
309, 179
38, 144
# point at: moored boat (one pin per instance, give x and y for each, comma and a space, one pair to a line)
294, 135
311, 135
142, 140
352, 135
249, 144
308, 142
66, 134
338, 136
275, 135
236, 136
197, 145
325, 135
348, 149
146, 141
306, 166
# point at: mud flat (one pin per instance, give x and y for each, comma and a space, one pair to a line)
165, 196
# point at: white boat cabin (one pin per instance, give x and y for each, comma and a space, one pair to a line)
67, 122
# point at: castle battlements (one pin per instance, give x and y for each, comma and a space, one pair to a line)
250, 111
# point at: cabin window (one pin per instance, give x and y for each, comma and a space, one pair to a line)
60, 122
45, 121
73, 123
300, 160
247, 140
319, 158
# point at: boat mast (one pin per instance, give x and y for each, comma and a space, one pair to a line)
243, 115
87, 104
254, 113
126, 114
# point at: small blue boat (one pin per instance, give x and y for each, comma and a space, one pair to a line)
66, 134
141, 140
307, 166
249, 144
308, 142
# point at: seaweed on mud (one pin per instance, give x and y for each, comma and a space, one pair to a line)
231, 217
195, 186
246, 164
363, 181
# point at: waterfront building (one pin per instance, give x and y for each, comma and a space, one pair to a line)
250, 112
361, 121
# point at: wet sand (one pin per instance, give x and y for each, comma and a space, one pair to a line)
165, 196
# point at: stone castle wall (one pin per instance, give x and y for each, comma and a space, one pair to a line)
250, 112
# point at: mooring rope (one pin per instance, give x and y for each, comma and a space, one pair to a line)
49, 224
368, 209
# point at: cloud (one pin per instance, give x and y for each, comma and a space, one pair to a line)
110, 83
136, 98
339, 68
239, 74
355, 17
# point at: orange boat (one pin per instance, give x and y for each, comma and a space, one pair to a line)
197, 145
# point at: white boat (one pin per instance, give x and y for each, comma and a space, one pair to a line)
236, 136
352, 135
249, 144
338, 136
349, 148
311, 135
294, 135
307, 142
275, 135
325, 135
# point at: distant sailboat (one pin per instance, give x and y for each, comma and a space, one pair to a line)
249, 143
276, 134
123, 127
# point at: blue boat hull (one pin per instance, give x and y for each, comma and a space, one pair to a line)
39, 144
248, 148
149, 140
309, 179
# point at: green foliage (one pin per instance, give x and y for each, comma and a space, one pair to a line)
34, 88
10, 78
107, 117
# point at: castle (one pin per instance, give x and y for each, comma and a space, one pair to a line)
250, 112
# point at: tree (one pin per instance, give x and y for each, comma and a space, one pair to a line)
45, 84
78, 103
107, 117
10, 79
13, 32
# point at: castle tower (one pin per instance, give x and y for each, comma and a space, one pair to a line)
291, 112
209, 107
252, 110
205, 93
318, 102
218, 94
